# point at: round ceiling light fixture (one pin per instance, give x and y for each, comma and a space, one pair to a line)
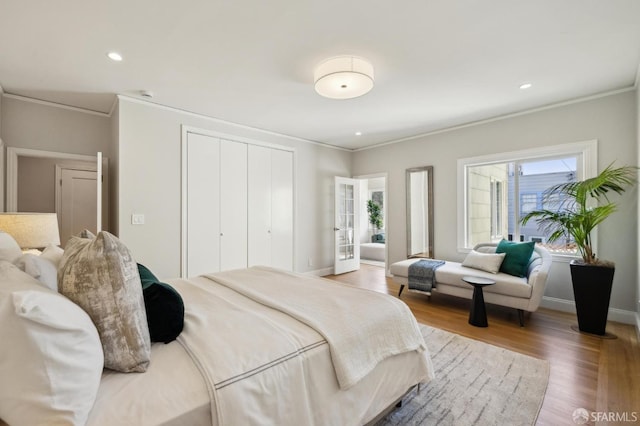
343, 77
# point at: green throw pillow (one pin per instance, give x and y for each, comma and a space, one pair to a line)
516, 261
164, 306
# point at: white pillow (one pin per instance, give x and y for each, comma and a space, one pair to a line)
51, 360
9, 249
39, 268
484, 261
53, 253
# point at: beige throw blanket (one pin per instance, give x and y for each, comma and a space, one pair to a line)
341, 314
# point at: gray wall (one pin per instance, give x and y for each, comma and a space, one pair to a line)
611, 120
35, 125
48, 127
149, 173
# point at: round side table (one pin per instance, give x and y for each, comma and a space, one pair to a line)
478, 313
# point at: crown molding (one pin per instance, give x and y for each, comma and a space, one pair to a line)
230, 123
503, 117
55, 105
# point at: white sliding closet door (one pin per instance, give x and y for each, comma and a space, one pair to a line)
233, 205
259, 198
282, 209
238, 205
203, 212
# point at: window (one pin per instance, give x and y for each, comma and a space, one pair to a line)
528, 203
497, 208
495, 191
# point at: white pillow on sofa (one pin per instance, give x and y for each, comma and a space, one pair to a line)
51, 362
488, 262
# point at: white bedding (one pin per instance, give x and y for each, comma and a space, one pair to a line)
341, 314
266, 368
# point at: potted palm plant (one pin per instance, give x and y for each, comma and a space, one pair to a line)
574, 219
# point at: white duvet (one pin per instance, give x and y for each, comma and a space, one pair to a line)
341, 314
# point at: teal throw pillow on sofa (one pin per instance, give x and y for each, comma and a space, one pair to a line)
516, 261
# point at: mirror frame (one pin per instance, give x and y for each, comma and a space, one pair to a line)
429, 209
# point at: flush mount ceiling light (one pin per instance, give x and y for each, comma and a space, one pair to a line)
343, 77
525, 86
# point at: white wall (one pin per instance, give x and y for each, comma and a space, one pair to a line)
611, 120
149, 174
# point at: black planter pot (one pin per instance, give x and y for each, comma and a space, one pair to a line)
592, 291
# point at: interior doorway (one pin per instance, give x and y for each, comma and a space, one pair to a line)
373, 219
76, 192
62, 183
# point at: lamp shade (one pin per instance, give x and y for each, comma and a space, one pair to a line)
31, 230
343, 77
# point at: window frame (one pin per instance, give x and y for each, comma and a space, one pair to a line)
497, 194
587, 162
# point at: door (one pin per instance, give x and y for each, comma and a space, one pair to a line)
347, 244
233, 205
259, 213
203, 205
270, 207
76, 202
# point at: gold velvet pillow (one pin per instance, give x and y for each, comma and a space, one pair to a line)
101, 276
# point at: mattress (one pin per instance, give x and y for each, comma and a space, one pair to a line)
297, 389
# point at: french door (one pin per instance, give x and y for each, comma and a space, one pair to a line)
347, 244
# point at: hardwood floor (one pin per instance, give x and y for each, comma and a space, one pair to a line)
600, 375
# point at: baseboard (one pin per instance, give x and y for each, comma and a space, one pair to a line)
615, 314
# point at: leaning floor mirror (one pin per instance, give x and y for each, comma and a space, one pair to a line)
420, 212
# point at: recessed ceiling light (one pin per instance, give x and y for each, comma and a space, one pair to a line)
114, 56
358, 133
525, 85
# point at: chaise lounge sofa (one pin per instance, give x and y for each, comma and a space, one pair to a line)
521, 293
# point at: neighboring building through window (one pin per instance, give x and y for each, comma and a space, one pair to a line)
499, 190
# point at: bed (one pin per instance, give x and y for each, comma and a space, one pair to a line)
259, 346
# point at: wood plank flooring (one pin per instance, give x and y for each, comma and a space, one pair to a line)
600, 375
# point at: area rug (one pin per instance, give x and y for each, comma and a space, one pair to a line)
476, 384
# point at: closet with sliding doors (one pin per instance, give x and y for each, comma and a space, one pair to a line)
237, 204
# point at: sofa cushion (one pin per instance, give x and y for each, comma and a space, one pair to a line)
451, 273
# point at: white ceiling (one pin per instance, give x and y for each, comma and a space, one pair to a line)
438, 63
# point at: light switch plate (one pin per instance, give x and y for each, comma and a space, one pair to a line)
137, 219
